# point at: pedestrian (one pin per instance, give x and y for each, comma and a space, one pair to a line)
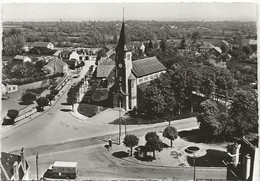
110, 143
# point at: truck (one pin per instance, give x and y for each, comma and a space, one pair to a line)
63, 170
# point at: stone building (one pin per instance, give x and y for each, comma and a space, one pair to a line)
128, 76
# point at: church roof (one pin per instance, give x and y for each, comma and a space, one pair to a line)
147, 66
104, 70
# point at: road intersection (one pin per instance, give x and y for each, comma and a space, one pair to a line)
60, 135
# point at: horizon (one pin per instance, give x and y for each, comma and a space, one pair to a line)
140, 11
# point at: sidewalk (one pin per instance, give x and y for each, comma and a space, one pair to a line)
30, 112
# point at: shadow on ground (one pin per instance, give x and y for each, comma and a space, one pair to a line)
213, 158
147, 158
192, 136
65, 104
120, 154
25, 103
164, 145
65, 110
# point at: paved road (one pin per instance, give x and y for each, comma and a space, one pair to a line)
57, 135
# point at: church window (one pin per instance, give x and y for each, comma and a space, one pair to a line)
140, 80
156, 76
128, 56
146, 78
151, 77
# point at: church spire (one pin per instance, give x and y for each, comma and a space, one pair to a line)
121, 41
123, 14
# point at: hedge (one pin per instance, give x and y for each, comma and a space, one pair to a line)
31, 80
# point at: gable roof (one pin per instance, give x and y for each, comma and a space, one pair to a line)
57, 61
207, 45
218, 49
106, 61
147, 66
7, 162
41, 44
57, 53
20, 57
104, 70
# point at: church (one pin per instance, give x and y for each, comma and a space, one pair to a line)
127, 79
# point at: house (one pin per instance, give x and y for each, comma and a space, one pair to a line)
8, 88
19, 59
205, 48
56, 54
252, 42
71, 57
43, 45
56, 66
14, 167
244, 161
127, 75
27, 47
216, 51
136, 46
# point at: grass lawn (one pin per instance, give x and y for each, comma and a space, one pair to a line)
89, 110
37, 91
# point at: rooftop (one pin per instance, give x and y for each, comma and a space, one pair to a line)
104, 70
41, 44
65, 164
20, 57
147, 66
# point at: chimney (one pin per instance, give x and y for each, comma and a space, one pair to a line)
15, 171
23, 159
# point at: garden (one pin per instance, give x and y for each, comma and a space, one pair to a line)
178, 155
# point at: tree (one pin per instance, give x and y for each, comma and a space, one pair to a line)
153, 142
213, 118
42, 102
39, 64
13, 41
247, 49
28, 98
183, 43
72, 97
244, 112
131, 141
54, 92
171, 133
12, 113
195, 35
163, 45
50, 97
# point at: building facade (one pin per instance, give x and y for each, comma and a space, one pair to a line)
14, 167
129, 75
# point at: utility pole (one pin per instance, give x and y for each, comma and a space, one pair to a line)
125, 126
37, 166
194, 176
119, 136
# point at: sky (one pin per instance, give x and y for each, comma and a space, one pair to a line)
133, 11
